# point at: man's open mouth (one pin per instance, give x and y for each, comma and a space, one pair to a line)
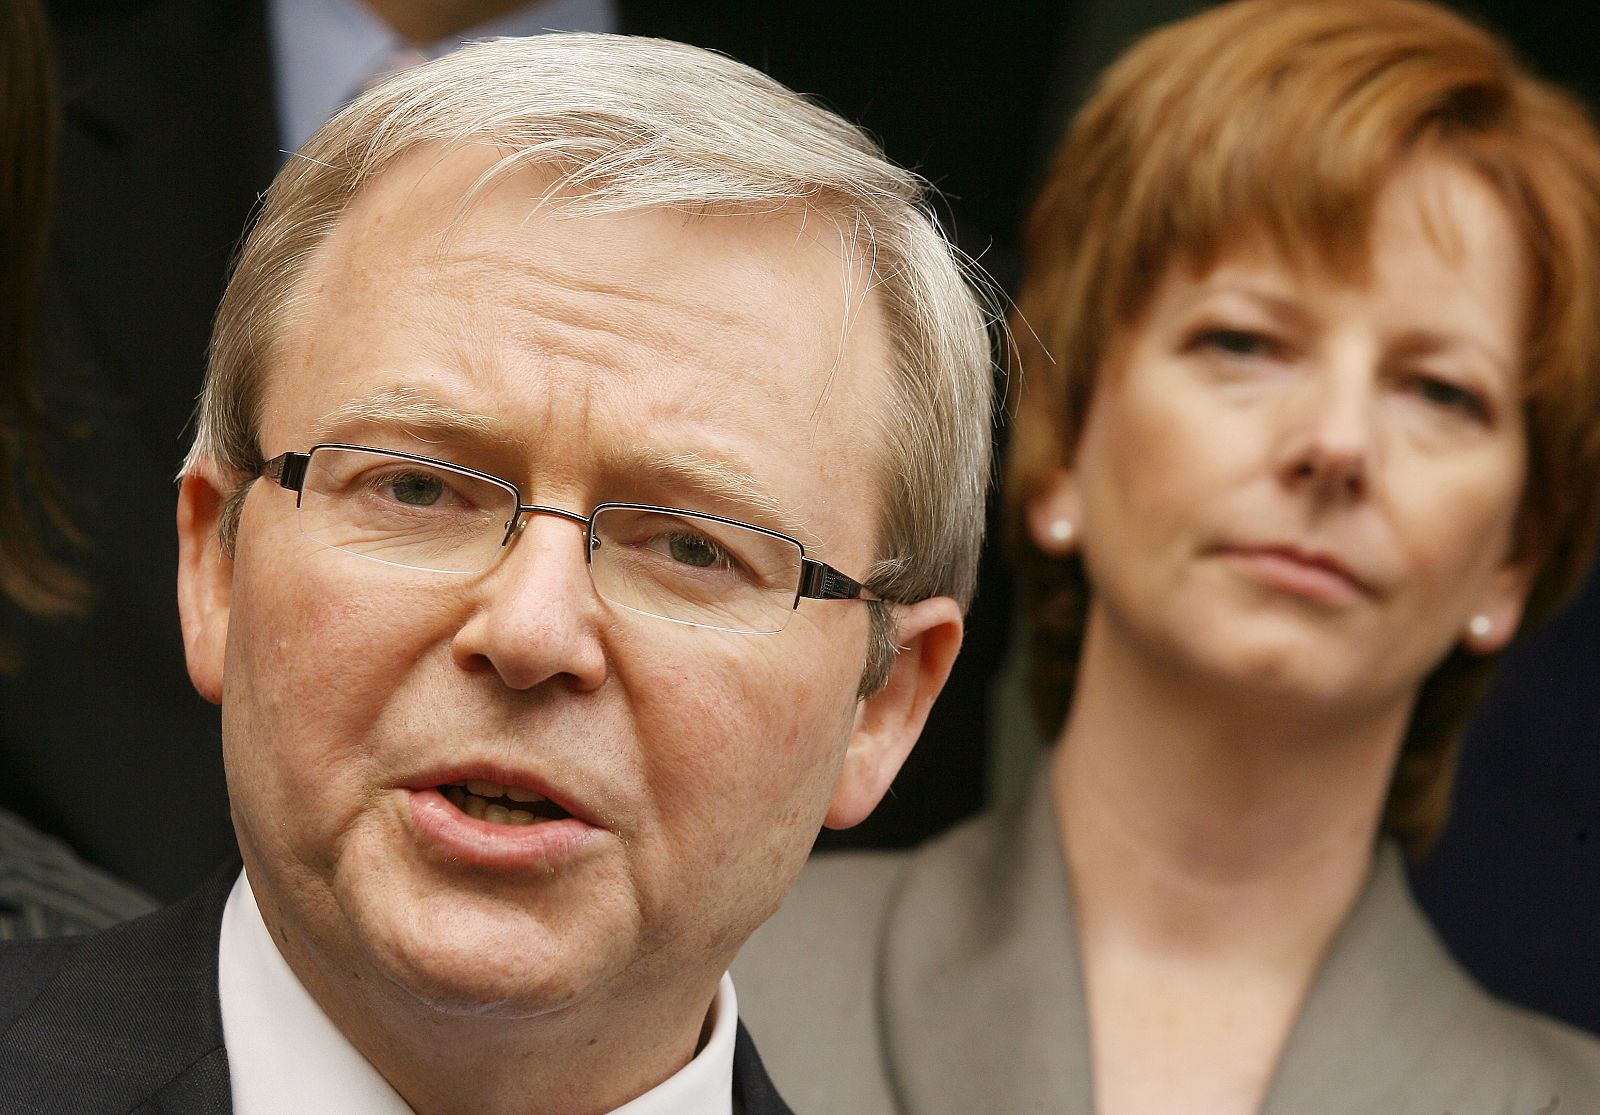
501, 805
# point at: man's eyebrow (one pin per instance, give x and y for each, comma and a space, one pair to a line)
407, 409
718, 479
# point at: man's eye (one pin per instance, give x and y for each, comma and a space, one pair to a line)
414, 489
695, 550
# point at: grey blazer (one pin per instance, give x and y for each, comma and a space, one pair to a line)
945, 981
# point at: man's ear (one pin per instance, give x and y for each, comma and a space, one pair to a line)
928, 635
205, 577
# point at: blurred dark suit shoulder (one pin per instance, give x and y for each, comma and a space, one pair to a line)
47, 891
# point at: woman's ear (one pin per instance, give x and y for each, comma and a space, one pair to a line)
1494, 624
205, 576
927, 637
1054, 513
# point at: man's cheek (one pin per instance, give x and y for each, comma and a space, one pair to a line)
745, 766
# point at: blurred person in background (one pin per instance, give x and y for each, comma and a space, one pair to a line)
44, 888
1308, 431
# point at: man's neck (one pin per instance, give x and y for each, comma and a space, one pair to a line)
581, 1059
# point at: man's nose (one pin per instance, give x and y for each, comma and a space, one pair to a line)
536, 616
1331, 437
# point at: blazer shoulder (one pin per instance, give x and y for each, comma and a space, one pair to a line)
1555, 1067
813, 983
807, 983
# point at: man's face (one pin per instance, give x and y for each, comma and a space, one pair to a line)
716, 363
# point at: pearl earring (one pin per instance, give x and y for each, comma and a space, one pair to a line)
1480, 627
1061, 531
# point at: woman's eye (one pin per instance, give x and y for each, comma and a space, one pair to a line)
1237, 342
1450, 396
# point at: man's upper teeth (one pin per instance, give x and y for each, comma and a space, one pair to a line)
496, 790
475, 806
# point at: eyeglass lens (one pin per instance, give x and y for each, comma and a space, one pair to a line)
678, 566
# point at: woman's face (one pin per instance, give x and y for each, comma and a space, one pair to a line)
1308, 488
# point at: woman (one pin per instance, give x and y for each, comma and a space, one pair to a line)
44, 888
1308, 429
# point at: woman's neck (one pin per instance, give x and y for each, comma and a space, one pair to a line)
1215, 840
1210, 789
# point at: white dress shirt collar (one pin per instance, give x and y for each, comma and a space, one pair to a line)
286, 1055
324, 51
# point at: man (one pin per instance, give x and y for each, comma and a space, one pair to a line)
565, 391
177, 114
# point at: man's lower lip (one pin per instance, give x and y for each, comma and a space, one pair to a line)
544, 846
1298, 578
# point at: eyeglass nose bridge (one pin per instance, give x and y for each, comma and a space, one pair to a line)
524, 511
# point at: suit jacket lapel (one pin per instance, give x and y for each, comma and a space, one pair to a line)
753, 1091
988, 932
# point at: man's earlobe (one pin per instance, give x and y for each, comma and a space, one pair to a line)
928, 634
205, 577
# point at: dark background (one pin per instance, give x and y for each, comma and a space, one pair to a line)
168, 139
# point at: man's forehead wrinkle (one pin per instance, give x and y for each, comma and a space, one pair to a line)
529, 285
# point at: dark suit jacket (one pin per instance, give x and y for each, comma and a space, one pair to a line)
946, 982
128, 1022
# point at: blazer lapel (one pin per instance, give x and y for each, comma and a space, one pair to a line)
984, 929
1389, 1008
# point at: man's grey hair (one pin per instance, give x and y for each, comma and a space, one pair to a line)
630, 123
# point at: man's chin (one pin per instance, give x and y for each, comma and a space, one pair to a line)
489, 963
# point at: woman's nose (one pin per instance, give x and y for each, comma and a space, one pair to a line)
1331, 443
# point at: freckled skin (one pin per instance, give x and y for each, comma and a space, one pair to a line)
1193, 445
709, 758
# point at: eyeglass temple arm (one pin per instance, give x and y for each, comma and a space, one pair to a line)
819, 581
288, 469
